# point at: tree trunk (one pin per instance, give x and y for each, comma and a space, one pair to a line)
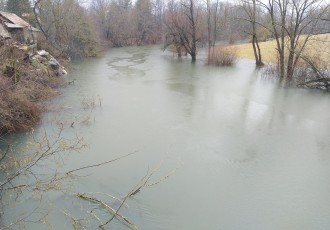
290, 66
259, 62
209, 30
255, 44
193, 51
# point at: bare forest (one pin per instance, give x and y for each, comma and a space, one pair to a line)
184, 27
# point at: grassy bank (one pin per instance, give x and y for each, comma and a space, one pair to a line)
317, 47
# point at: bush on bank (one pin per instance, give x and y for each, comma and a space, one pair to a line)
26, 79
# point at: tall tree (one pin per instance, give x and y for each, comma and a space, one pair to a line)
145, 21
121, 27
19, 7
100, 10
66, 26
212, 8
209, 25
2, 5
184, 29
158, 9
250, 9
125, 4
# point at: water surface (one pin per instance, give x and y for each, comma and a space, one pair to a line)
245, 153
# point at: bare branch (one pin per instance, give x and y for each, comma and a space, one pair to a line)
103, 163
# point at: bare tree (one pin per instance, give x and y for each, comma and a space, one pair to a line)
66, 26
212, 9
184, 27
293, 23
99, 10
190, 39
145, 22
250, 8
215, 21
208, 9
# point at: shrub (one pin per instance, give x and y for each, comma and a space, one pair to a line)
222, 56
22, 87
17, 113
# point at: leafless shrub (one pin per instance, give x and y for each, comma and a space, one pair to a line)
312, 72
270, 71
91, 102
17, 113
88, 103
47, 150
222, 56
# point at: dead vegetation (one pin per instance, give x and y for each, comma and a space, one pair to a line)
313, 69
24, 83
222, 56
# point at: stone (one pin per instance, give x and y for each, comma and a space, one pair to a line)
43, 53
54, 63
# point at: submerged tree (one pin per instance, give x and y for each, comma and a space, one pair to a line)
211, 18
250, 8
293, 22
183, 27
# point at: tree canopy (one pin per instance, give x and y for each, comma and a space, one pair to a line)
19, 7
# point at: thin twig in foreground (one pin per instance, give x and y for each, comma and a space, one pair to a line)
100, 164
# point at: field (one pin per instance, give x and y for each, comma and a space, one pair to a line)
318, 48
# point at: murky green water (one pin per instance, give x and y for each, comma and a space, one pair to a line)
245, 153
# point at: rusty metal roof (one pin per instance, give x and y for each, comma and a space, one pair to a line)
13, 18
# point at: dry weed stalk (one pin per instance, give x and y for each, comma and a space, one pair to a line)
91, 102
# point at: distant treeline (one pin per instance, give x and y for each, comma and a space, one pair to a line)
75, 28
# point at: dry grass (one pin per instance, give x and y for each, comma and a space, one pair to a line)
21, 90
222, 56
317, 47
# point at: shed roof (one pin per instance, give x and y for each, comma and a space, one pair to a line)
13, 26
13, 18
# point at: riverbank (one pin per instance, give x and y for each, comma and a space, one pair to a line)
317, 47
27, 78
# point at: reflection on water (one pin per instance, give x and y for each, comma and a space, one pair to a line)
250, 155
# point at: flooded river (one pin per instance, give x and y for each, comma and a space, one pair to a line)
239, 152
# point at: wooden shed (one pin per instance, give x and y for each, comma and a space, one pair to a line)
14, 27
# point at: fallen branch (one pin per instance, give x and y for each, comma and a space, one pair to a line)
142, 184
100, 164
324, 81
108, 207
